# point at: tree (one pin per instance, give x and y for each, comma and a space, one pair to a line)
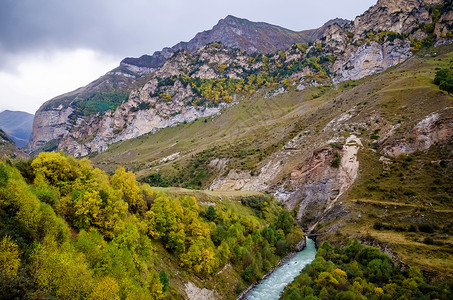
19, 202
62, 271
284, 221
224, 253
9, 257
163, 277
112, 215
176, 241
441, 75
326, 278
86, 209
200, 258
126, 182
447, 85
219, 234
57, 168
211, 213
336, 161
324, 294
287, 83
269, 235
107, 288
250, 223
156, 288
444, 79
222, 68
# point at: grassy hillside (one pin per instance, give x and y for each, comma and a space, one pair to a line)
404, 204
407, 208
246, 134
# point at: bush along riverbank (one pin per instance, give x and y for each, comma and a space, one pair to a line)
357, 271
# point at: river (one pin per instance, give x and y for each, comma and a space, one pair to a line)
272, 287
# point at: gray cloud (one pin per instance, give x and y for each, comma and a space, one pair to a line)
136, 27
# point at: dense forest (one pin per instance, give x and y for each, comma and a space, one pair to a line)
357, 271
70, 231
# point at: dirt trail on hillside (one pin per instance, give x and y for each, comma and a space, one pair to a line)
369, 201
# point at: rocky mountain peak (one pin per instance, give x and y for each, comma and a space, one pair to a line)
232, 20
338, 21
233, 32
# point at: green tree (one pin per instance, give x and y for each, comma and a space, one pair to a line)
126, 182
9, 257
61, 271
444, 79
105, 289
211, 213
284, 221
163, 277
87, 207
57, 168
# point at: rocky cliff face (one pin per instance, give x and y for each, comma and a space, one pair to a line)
433, 129
56, 118
394, 15
197, 80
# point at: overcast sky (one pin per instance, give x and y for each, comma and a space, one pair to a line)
49, 47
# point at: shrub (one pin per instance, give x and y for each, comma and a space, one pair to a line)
428, 228
428, 241
444, 79
336, 160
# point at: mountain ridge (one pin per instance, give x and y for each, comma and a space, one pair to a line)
8, 148
249, 44
18, 125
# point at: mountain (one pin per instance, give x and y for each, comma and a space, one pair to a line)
18, 125
238, 33
367, 158
189, 85
119, 82
8, 147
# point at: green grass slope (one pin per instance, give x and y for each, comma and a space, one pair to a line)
404, 204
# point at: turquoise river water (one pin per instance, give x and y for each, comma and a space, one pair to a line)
272, 287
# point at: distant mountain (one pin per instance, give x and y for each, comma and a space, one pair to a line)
8, 148
18, 125
238, 33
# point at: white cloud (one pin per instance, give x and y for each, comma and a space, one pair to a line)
40, 77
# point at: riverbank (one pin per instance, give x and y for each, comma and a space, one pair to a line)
301, 247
